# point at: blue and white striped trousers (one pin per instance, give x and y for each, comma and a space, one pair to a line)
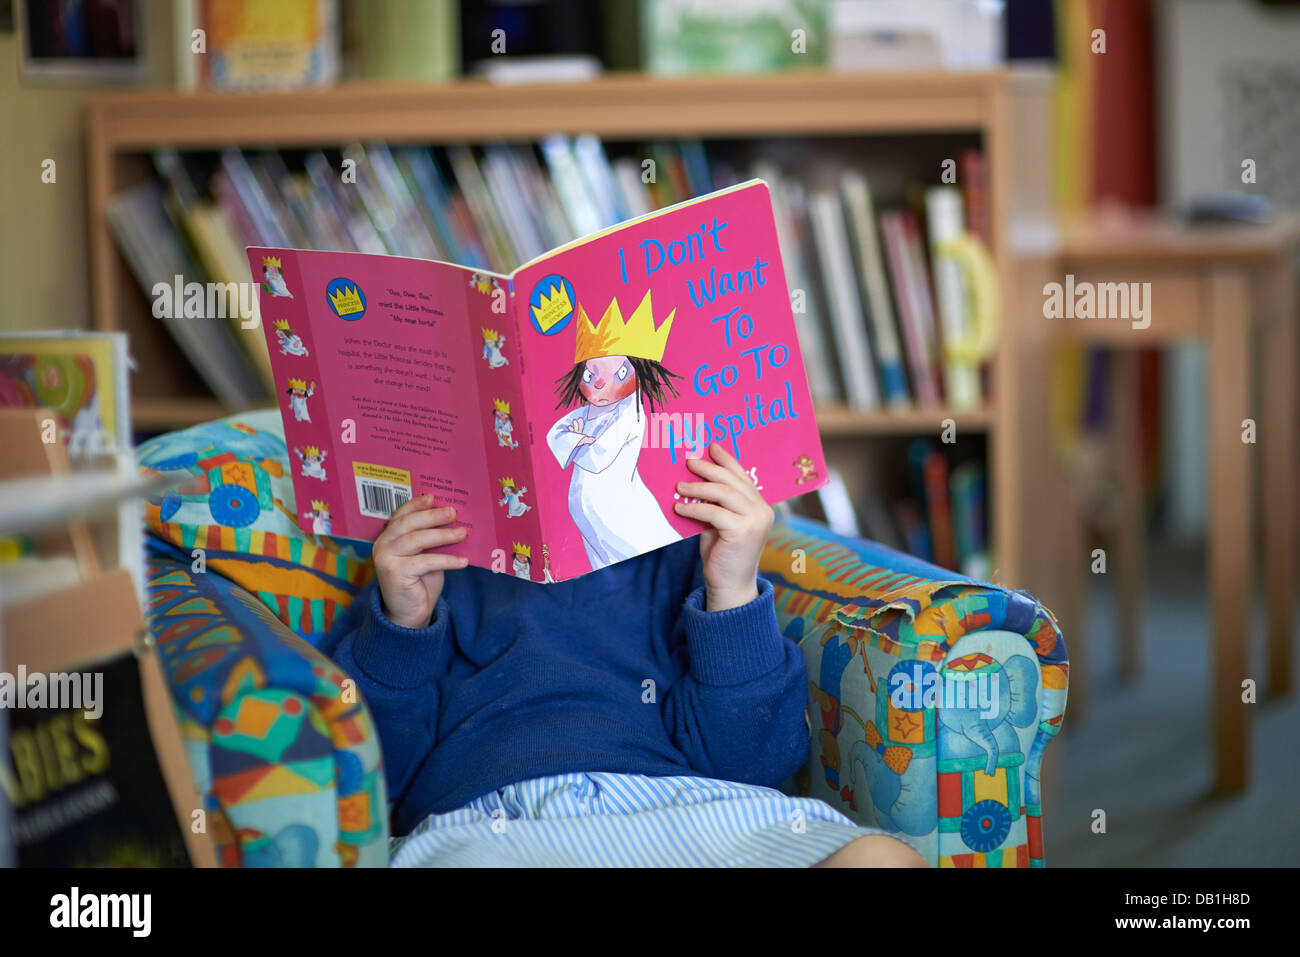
602, 819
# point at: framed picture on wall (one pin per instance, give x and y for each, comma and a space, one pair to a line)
92, 40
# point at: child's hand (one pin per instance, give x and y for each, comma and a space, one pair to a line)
410, 581
740, 519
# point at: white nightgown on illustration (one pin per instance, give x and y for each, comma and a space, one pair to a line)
615, 512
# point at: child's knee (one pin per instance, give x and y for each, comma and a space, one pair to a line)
875, 850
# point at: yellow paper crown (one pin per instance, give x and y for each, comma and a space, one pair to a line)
317, 505
347, 300
501, 406
507, 482
523, 550
553, 308
271, 261
489, 335
282, 325
614, 337
310, 451
298, 384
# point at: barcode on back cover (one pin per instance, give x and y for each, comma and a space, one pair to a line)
380, 499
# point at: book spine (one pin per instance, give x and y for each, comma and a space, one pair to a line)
944, 223
939, 508
817, 366
918, 278
918, 354
846, 310
861, 210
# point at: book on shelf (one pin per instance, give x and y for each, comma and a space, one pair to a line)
943, 517
92, 771
909, 290
860, 207
688, 37
120, 793
970, 519
163, 268
257, 44
831, 240
928, 467
81, 377
945, 225
823, 380
215, 246
553, 406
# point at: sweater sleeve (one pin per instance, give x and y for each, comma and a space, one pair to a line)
737, 709
396, 670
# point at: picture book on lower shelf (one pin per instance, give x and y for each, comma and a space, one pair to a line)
554, 407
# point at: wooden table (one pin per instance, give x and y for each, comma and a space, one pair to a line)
1234, 288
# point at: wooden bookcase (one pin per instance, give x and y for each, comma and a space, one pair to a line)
122, 128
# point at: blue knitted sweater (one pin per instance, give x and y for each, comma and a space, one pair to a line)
620, 670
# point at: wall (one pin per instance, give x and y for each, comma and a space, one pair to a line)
1197, 40
44, 256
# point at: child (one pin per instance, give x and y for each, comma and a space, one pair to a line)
639, 715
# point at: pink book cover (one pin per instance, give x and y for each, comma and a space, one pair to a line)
554, 407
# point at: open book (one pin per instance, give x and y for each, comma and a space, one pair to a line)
554, 407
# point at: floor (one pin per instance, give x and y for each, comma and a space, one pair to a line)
1143, 753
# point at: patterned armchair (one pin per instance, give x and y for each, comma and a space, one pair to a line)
287, 759
931, 697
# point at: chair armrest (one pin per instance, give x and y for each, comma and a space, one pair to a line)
280, 743
890, 643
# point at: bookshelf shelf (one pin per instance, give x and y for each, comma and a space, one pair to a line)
835, 422
159, 414
475, 110
1001, 108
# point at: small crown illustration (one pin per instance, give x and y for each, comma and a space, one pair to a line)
489, 335
507, 483
310, 451
523, 551
298, 385
346, 301
317, 505
272, 261
614, 337
282, 325
501, 406
553, 308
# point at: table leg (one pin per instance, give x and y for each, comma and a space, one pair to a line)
1279, 460
1230, 513
1129, 528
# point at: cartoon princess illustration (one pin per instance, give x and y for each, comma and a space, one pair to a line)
502, 425
522, 565
320, 517
299, 392
493, 343
512, 498
313, 462
615, 364
291, 343
546, 564
272, 279
483, 282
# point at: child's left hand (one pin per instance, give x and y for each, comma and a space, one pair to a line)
740, 519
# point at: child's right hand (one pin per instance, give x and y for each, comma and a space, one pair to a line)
410, 581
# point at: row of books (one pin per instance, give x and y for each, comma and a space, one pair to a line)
941, 517
897, 312
876, 300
